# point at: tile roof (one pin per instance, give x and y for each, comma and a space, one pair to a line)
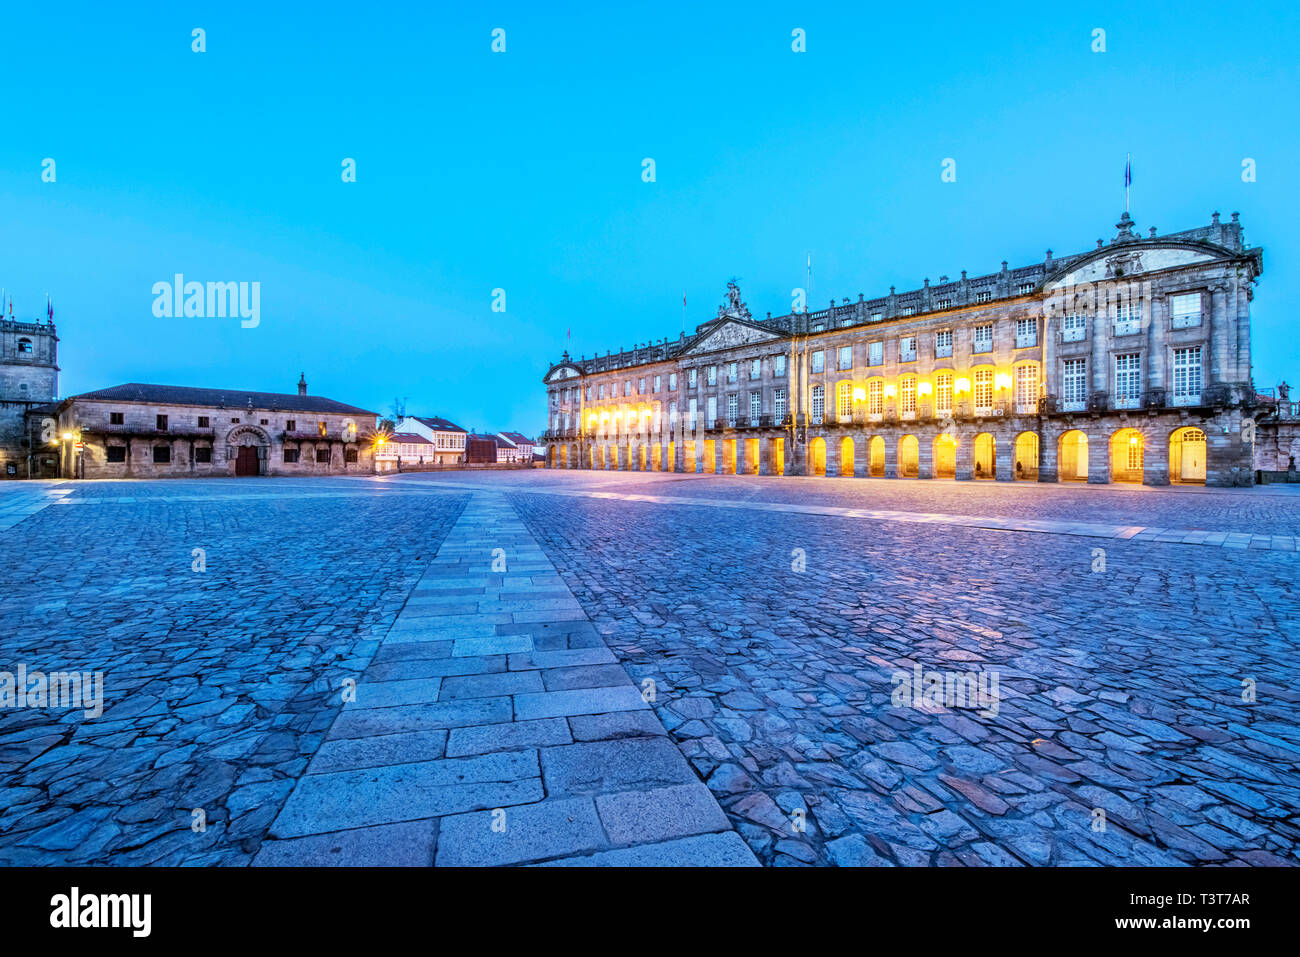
409, 438
438, 424
220, 398
518, 438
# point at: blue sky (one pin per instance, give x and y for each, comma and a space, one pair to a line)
522, 171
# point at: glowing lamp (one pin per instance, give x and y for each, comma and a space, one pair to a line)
1132, 440
859, 394
961, 385
923, 388
67, 436
890, 391
1002, 380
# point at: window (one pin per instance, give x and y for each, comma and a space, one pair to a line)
907, 396
876, 397
1187, 375
672, 413
1185, 310
1074, 327
658, 382
203, 422
160, 422
203, 454
818, 404
983, 390
116, 418
907, 349
322, 456
235, 420
877, 316
627, 387
943, 344
291, 455
778, 365
818, 361
712, 376
713, 412
846, 357
602, 390
844, 400
1134, 456
943, 393
694, 411
732, 371
755, 368
640, 386
944, 303
984, 338
755, 407
778, 404
983, 295
162, 454
1025, 288
1128, 313
909, 310
290, 425
116, 453
672, 382
349, 455
321, 427
1128, 380
875, 354
1026, 333
733, 408
1074, 382
1026, 388
691, 377
25, 346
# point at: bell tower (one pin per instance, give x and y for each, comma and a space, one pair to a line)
29, 377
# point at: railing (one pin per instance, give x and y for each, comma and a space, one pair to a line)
1026, 341
1126, 327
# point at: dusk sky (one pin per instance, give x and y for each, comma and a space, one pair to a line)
523, 171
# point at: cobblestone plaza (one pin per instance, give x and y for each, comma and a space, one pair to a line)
653, 668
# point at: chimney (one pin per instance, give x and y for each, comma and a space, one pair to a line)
302, 383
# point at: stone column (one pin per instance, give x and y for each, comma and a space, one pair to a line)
1218, 333
1156, 335
741, 458
1049, 440
764, 455
964, 457
1098, 456
832, 440
891, 456
1004, 451
719, 455
924, 456
861, 456
1155, 457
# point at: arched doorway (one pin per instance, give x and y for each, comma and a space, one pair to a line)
246, 447
817, 457
1187, 456
564, 456
984, 451
778, 456
1072, 457
876, 457
751, 456
846, 456
1127, 450
1025, 467
945, 455
909, 462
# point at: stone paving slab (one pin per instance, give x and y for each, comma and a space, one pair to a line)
511, 727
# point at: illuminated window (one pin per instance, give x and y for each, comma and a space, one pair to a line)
983, 390
844, 400
1027, 388
907, 394
818, 404
943, 393
876, 397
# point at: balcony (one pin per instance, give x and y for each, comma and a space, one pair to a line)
907, 355
1126, 327
1074, 333
1026, 340
943, 352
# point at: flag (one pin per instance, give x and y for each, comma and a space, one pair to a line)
49, 308
1128, 171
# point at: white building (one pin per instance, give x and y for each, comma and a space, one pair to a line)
447, 438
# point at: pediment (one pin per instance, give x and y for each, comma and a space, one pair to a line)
562, 372
728, 334
1123, 262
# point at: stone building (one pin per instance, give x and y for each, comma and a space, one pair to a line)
29, 379
447, 438
162, 431
1129, 362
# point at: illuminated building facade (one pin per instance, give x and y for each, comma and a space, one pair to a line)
1127, 363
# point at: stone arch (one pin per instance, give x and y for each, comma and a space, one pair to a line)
984, 453
945, 455
817, 456
909, 461
876, 456
241, 438
846, 456
1188, 456
1072, 456
1127, 455
1024, 465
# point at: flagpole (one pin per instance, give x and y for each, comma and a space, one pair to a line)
683, 312
1128, 178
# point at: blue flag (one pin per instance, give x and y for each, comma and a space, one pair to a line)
1128, 172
